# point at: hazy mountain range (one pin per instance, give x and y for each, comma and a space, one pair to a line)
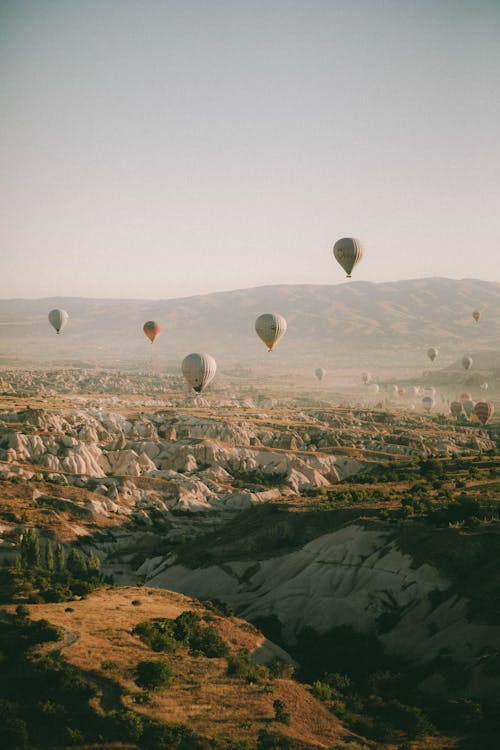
347, 325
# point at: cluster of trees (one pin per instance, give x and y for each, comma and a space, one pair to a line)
48, 576
377, 693
163, 634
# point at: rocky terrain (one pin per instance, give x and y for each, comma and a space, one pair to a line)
284, 508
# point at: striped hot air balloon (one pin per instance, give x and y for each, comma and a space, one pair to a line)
152, 329
348, 252
484, 411
199, 370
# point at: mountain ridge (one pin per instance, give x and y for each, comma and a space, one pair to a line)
342, 324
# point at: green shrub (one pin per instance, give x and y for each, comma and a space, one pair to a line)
154, 675
242, 667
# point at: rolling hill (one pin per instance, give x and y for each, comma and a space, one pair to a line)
346, 325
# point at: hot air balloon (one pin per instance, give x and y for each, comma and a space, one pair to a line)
320, 373
456, 408
430, 391
484, 411
392, 390
466, 363
270, 328
412, 391
58, 319
152, 329
199, 370
366, 377
484, 386
465, 396
468, 406
348, 252
427, 403
476, 315
432, 353
373, 388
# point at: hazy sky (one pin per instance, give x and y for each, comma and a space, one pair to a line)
157, 148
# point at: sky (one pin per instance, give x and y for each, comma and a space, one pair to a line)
167, 148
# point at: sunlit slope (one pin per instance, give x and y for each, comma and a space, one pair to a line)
98, 637
328, 324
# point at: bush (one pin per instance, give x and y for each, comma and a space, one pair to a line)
321, 691
280, 713
281, 669
241, 666
157, 736
208, 642
154, 675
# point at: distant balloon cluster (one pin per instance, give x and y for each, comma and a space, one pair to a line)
199, 368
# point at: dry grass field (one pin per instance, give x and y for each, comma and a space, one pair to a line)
98, 639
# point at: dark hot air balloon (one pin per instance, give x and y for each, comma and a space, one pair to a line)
484, 411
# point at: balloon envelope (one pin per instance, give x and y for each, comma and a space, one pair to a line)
468, 406
199, 370
466, 363
152, 329
432, 353
476, 315
320, 373
427, 402
456, 408
58, 319
366, 377
348, 251
484, 411
270, 328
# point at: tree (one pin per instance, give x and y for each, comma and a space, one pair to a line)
76, 564
30, 549
59, 558
49, 557
93, 565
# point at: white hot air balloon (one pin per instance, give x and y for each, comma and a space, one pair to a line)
348, 252
270, 328
320, 373
199, 370
58, 319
